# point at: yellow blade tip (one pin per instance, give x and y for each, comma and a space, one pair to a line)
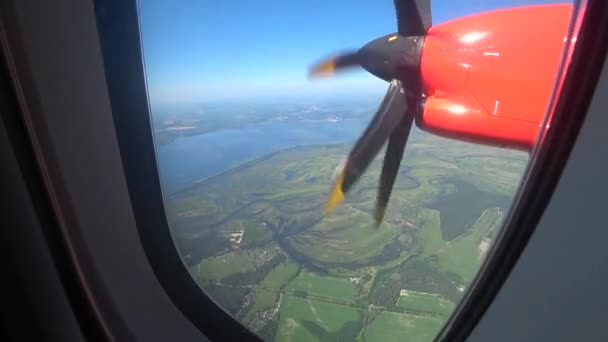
324, 69
336, 196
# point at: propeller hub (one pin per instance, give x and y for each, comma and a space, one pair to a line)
393, 57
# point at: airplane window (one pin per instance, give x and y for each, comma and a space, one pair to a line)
337, 169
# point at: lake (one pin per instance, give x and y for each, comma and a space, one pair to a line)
190, 158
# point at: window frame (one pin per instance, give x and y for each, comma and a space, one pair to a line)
52, 54
119, 33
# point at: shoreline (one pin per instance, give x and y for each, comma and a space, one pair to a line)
248, 164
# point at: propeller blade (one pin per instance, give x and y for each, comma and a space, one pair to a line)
394, 58
391, 112
331, 65
413, 16
392, 161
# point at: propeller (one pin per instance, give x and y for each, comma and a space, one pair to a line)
394, 58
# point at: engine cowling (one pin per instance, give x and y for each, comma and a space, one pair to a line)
488, 78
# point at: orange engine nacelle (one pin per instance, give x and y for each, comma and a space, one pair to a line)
488, 78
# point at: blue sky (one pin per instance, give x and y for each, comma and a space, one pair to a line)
199, 50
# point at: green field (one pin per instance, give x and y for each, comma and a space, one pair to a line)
219, 267
262, 300
461, 255
430, 234
311, 320
321, 286
389, 326
425, 303
346, 238
255, 233
279, 277
289, 277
